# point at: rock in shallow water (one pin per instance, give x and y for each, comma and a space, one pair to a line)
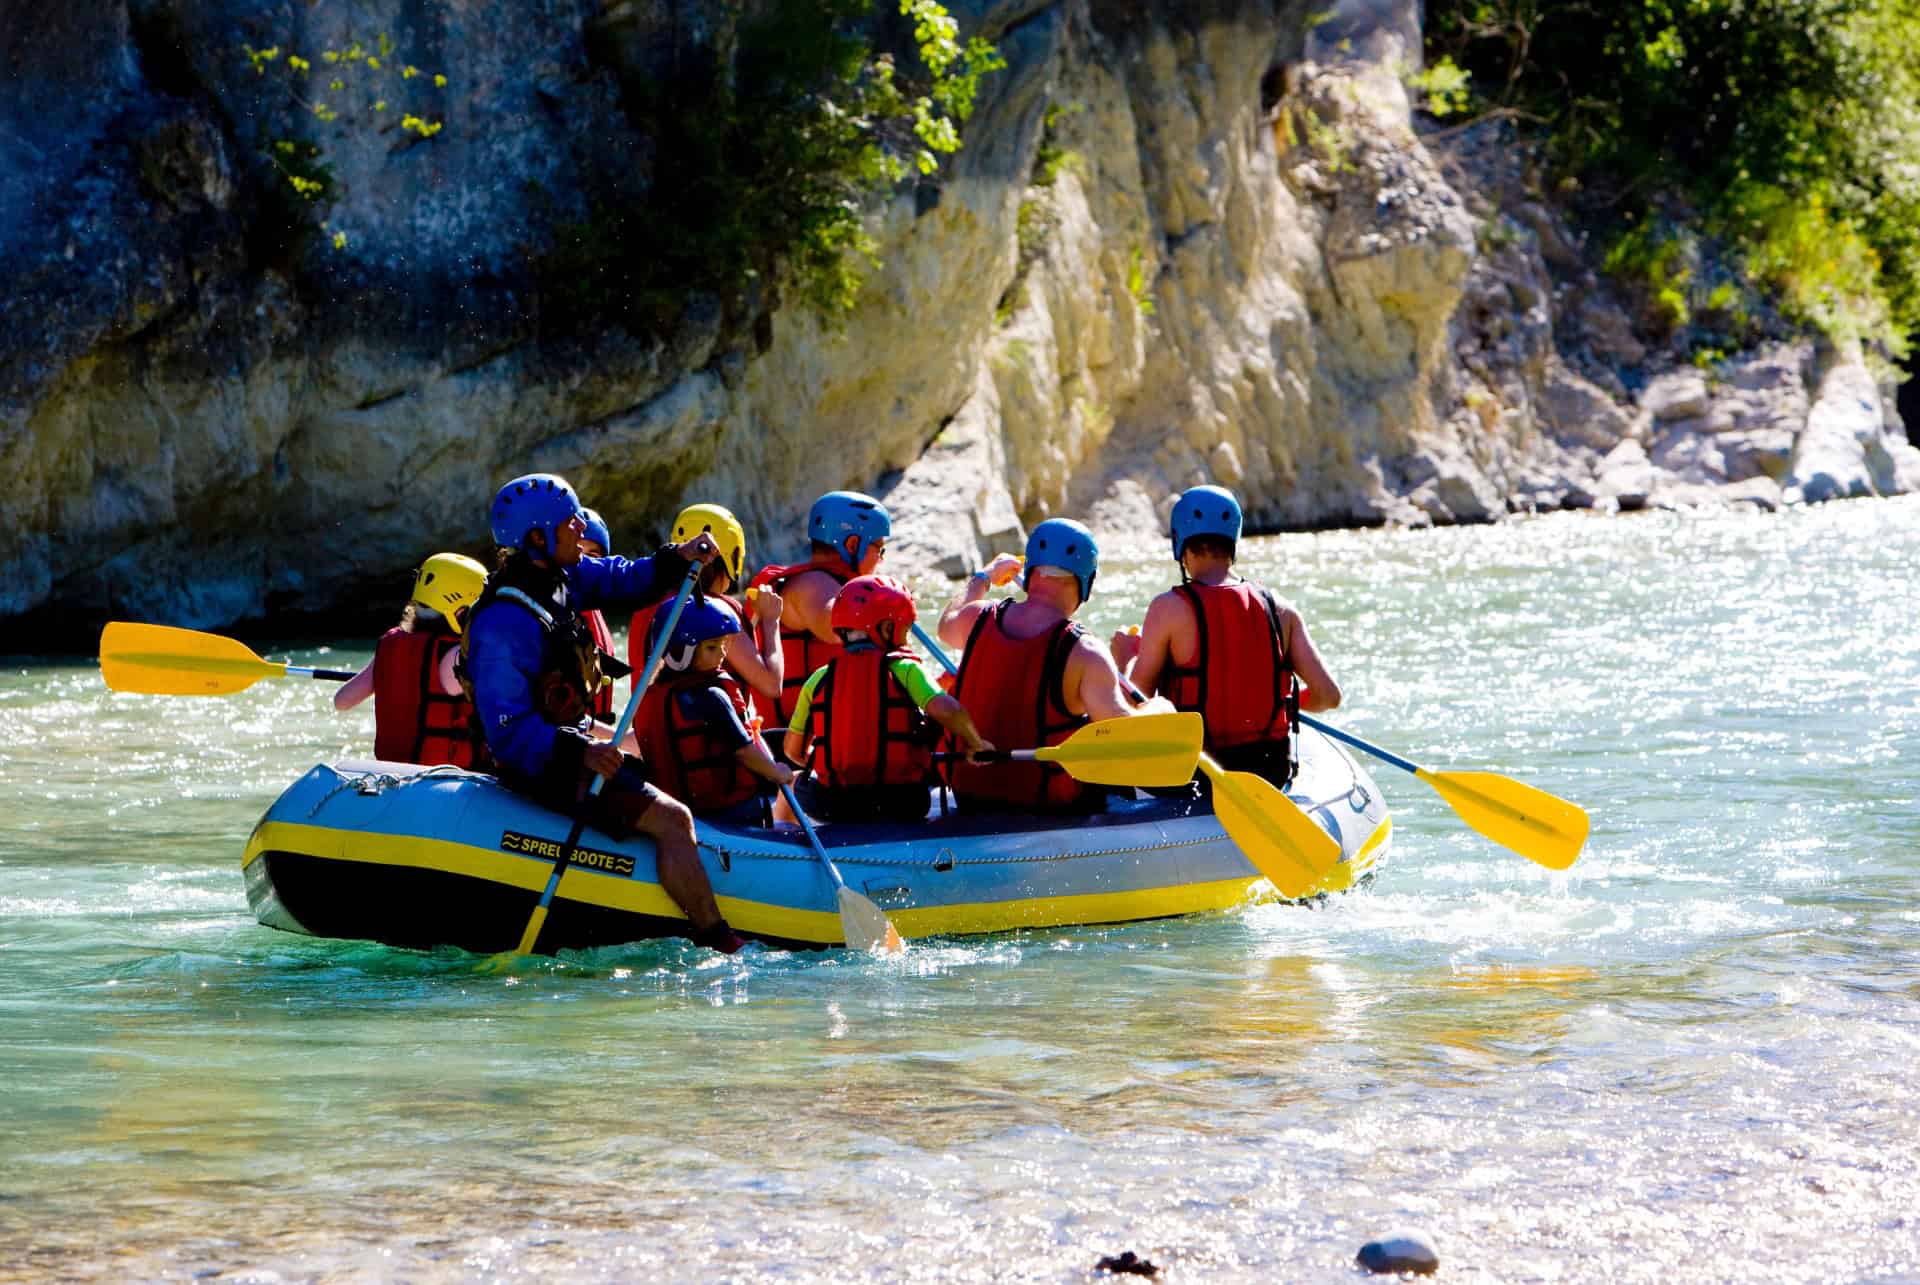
1127, 1264
1405, 1252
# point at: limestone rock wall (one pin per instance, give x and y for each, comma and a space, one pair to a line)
1186, 240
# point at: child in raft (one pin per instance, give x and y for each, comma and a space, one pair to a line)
870, 716
420, 713
696, 730
754, 658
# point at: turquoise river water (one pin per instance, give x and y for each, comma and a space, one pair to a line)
1693, 1057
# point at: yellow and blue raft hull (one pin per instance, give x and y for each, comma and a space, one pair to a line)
425, 857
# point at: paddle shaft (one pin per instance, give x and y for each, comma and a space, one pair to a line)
813, 838
328, 675
1404, 765
863, 925
539, 917
987, 756
932, 644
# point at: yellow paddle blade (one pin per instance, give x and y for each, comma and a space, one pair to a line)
866, 926
1539, 826
163, 661
1147, 749
1271, 831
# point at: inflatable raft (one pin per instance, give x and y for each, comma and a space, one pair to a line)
425, 857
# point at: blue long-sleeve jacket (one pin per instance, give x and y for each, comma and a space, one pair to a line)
506, 651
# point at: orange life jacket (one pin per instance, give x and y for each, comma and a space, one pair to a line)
602, 703
413, 720
684, 756
864, 728
1240, 681
801, 653
1015, 690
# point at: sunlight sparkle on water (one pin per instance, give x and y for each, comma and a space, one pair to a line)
1690, 1057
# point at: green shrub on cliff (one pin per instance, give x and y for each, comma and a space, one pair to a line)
1790, 127
358, 86
768, 150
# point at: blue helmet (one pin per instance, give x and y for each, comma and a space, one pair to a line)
537, 502
596, 530
700, 620
839, 514
1064, 543
1204, 510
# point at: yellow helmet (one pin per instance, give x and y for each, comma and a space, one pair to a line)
449, 583
727, 533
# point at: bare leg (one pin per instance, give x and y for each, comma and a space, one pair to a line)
670, 826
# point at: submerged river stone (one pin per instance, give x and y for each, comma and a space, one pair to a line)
1127, 1264
1402, 1252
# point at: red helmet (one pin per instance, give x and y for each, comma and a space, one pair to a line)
866, 601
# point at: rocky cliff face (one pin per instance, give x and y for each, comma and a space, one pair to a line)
1184, 242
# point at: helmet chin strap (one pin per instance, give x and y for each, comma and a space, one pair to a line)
1063, 576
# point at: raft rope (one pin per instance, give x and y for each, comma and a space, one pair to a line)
372, 783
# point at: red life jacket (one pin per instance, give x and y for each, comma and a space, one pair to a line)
603, 639
801, 653
1015, 690
1239, 681
683, 755
643, 621
864, 728
413, 720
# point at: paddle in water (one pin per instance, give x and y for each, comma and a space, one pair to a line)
863, 924
1541, 827
160, 660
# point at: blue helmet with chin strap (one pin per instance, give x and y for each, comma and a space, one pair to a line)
839, 514
596, 530
1204, 510
1064, 543
540, 502
701, 619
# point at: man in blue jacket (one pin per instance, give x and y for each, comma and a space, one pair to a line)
534, 669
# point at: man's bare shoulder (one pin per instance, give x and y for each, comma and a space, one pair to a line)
1169, 605
1086, 649
1288, 612
813, 580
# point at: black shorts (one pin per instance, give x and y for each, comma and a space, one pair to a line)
618, 807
